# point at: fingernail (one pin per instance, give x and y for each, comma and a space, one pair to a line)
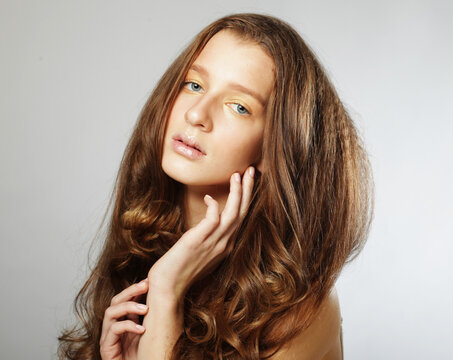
252, 171
141, 328
208, 196
142, 306
237, 177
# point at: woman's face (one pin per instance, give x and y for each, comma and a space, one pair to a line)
220, 110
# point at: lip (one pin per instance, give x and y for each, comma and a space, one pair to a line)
187, 146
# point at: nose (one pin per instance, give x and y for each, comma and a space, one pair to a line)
199, 114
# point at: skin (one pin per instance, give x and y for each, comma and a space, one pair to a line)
120, 338
228, 123
120, 328
321, 340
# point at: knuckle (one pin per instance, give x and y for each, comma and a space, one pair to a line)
215, 207
221, 246
210, 221
108, 312
114, 300
229, 222
194, 243
213, 219
131, 307
116, 328
103, 348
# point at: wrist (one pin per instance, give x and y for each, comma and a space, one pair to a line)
165, 299
164, 324
160, 290
166, 309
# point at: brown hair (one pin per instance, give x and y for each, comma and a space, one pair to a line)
310, 213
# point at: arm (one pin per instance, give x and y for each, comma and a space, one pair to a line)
163, 324
194, 255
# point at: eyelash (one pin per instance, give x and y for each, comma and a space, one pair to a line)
242, 106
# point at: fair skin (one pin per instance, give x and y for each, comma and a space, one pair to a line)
321, 340
221, 107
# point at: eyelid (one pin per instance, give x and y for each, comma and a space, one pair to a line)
191, 82
234, 103
245, 107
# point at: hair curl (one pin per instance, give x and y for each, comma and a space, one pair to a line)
310, 212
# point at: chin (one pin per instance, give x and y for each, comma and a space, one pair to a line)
196, 178
199, 182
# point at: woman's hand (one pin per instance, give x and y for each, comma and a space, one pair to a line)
121, 330
201, 248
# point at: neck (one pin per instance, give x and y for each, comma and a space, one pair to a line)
194, 206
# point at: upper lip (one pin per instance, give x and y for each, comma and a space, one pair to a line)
190, 141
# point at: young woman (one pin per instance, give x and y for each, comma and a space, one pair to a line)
243, 191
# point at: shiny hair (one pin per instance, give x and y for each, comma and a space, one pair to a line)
310, 212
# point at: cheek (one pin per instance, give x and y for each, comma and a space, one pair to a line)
243, 150
181, 105
175, 113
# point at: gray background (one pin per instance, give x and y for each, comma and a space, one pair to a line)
73, 78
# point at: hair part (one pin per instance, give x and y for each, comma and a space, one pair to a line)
310, 212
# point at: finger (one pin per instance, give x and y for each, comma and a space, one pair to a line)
224, 245
209, 223
115, 312
231, 210
131, 291
138, 298
212, 212
247, 189
135, 317
119, 328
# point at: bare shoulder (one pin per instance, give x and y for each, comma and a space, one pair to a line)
321, 340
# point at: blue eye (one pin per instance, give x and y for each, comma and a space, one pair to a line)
193, 86
241, 109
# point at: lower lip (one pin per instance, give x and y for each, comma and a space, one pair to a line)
185, 150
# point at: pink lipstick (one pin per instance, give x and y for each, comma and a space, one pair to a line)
187, 146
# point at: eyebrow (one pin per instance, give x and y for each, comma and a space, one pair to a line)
200, 69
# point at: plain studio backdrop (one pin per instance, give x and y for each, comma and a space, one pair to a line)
73, 78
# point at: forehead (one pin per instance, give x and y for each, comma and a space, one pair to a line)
229, 57
226, 45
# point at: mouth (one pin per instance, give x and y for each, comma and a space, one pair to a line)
189, 142
187, 147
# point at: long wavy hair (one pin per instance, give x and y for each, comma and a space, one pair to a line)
310, 212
